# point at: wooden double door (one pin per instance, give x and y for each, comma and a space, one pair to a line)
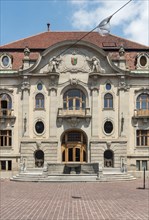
74, 152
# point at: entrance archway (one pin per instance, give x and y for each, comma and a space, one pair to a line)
108, 158
74, 146
39, 158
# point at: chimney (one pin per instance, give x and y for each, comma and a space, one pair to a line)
48, 26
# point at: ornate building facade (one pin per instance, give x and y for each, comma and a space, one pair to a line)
63, 102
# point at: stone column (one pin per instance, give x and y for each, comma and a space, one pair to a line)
95, 114
53, 112
25, 106
123, 107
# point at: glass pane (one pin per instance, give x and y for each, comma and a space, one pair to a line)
108, 127
138, 105
10, 141
75, 136
144, 106
39, 127
4, 104
39, 86
105, 103
108, 86
37, 103
64, 105
70, 154
84, 156
77, 156
144, 164
42, 103
70, 104
143, 60
77, 104
5, 61
138, 142
138, 165
83, 105
63, 156
110, 103
9, 165
3, 165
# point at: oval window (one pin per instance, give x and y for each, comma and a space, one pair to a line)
108, 86
5, 61
39, 86
108, 127
39, 127
143, 60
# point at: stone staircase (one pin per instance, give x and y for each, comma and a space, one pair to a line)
62, 173
115, 174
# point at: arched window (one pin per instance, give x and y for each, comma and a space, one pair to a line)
39, 99
142, 102
74, 99
5, 104
108, 101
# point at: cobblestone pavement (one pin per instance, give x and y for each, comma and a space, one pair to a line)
74, 201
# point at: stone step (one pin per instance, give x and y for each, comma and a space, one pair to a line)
71, 178
56, 178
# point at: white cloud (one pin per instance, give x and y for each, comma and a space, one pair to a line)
132, 20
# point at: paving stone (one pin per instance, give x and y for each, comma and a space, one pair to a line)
74, 201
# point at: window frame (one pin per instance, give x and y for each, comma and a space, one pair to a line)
6, 139
140, 101
142, 138
4, 97
41, 101
74, 102
108, 102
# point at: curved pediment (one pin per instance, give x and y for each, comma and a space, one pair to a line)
72, 57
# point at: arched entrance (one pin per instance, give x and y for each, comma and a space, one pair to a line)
74, 146
108, 158
39, 158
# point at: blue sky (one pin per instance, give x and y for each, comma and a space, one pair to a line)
20, 19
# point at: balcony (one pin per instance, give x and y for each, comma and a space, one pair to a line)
74, 116
7, 115
141, 114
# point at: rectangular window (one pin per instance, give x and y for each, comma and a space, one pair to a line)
3, 165
142, 138
138, 165
144, 164
9, 165
5, 138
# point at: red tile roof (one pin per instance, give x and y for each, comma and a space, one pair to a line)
47, 39
42, 41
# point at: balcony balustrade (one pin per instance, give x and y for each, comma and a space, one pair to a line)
7, 114
74, 116
74, 112
141, 113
